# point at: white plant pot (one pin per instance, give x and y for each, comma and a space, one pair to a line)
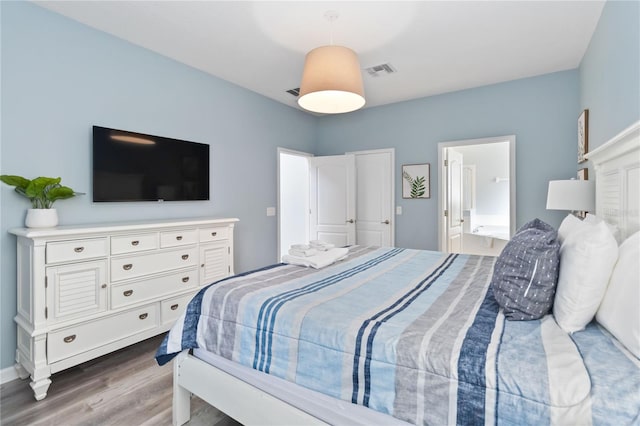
41, 218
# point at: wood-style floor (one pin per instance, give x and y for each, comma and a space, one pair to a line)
126, 387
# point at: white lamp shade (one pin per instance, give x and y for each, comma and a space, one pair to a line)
574, 195
331, 81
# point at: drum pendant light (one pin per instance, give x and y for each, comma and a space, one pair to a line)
332, 79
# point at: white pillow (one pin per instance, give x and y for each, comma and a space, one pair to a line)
587, 256
592, 218
620, 309
568, 225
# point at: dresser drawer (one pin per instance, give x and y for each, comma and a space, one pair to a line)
214, 234
178, 238
123, 268
138, 291
66, 251
171, 309
74, 340
133, 243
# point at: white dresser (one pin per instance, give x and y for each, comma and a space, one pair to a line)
84, 291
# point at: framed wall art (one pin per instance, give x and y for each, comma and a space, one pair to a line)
416, 181
583, 135
583, 174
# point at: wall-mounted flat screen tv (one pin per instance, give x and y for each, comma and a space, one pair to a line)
130, 166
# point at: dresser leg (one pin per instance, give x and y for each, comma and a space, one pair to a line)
40, 388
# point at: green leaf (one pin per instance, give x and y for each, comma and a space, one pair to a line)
38, 186
417, 187
59, 193
407, 177
17, 181
41, 191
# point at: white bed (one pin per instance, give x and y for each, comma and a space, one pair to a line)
253, 397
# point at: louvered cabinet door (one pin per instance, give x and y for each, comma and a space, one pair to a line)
76, 290
215, 262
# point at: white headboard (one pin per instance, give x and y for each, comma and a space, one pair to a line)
617, 167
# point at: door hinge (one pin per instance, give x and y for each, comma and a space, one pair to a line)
46, 312
229, 268
46, 282
228, 250
446, 163
446, 213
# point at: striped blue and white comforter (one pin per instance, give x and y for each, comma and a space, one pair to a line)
414, 334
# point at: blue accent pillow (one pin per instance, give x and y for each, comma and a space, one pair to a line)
526, 272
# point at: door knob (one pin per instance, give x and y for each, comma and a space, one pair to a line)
350, 221
386, 222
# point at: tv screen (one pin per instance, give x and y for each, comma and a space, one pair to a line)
129, 166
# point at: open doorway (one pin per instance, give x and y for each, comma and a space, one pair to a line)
293, 199
342, 199
477, 196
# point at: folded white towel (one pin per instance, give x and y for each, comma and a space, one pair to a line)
317, 261
300, 246
321, 245
303, 252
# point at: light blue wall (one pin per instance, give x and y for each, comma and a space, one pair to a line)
610, 72
540, 111
59, 78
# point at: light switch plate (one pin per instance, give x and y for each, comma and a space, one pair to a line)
271, 211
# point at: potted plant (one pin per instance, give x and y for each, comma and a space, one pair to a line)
42, 192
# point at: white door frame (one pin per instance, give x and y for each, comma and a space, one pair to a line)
392, 207
278, 206
442, 182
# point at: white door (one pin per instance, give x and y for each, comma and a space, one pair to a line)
374, 199
454, 217
332, 199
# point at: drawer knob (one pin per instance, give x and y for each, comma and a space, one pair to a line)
69, 339
127, 293
127, 266
185, 279
135, 242
143, 316
179, 237
174, 307
78, 249
213, 234
103, 286
185, 256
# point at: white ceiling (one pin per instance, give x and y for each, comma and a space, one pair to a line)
435, 46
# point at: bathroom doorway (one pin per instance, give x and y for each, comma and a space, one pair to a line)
477, 196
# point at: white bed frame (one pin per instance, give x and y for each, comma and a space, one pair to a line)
234, 397
617, 167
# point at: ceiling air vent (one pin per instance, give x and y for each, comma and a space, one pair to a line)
378, 70
295, 92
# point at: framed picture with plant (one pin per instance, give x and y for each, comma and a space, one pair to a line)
416, 181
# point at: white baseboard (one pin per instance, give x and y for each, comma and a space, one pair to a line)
8, 374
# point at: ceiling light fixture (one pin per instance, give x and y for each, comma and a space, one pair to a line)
332, 79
